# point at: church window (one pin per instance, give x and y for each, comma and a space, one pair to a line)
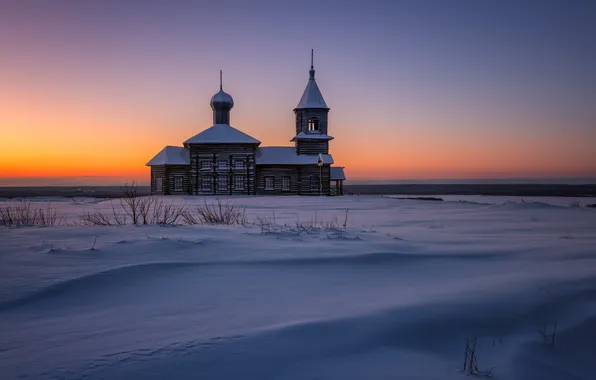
222, 164
222, 182
239, 182
205, 164
269, 183
313, 125
206, 183
239, 164
285, 183
178, 181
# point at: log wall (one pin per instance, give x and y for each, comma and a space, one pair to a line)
158, 172
300, 179
173, 171
214, 168
167, 173
312, 147
208, 175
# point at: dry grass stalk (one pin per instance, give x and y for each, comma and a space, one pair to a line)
471, 360
548, 338
136, 207
24, 214
265, 224
216, 213
166, 213
98, 217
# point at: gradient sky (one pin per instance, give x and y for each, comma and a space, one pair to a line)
417, 89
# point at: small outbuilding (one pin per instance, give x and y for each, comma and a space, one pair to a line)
337, 178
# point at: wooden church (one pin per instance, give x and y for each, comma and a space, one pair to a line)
221, 160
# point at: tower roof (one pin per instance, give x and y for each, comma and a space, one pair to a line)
312, 97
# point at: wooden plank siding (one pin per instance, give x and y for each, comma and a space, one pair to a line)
278, 172
173, 171
299, 179
167, 174
208, 164
307, 171
158, 172
312, 147
206, 170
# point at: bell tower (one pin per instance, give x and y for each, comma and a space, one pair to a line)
311, 118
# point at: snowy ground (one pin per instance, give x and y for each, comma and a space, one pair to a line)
394, 296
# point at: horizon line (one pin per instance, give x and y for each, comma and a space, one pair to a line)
87, 181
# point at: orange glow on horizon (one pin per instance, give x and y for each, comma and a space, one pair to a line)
69, 154
67, 136
54, 144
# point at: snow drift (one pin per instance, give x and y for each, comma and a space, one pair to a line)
187, 302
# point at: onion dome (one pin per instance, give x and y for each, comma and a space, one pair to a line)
221, 100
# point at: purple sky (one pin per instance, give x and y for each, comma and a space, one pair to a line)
442, 88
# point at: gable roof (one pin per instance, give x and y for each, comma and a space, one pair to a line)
170, 155
337, 173
312, 97
222, 134
286, 155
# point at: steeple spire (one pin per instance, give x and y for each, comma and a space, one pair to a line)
312, 98
220, 80
312, 64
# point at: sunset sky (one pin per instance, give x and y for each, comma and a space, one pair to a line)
417, 89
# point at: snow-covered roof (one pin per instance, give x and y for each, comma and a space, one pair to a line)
337, 173
311, 136
170, 155
286, 155
312, 97
222, 134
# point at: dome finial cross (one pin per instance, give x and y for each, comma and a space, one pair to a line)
312, 64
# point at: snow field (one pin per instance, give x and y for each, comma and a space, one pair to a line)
394, 295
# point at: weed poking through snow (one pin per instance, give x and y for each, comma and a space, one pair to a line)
548, 338
24, 214
471, 360
220, 212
